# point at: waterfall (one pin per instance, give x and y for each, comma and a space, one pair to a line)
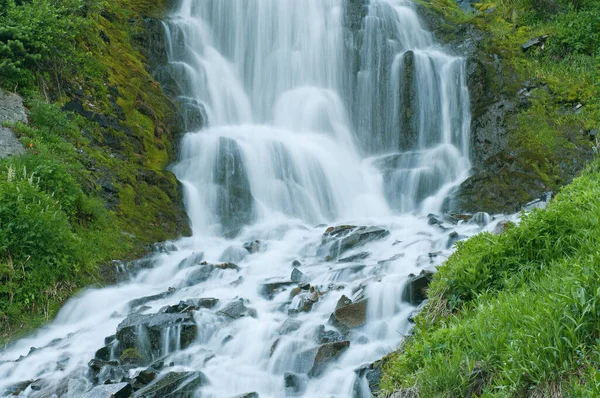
316, 113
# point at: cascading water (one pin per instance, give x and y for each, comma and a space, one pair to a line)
317, 111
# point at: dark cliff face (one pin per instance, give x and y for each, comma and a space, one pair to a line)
513, 116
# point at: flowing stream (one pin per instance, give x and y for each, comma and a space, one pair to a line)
317, 113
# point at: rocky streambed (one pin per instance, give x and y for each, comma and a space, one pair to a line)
289, 310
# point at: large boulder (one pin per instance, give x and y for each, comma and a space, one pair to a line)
415, 290
349, 315
235, 202
11, 111
144, 333
237, 309
119, 390
340, 239
325, 354
174, 385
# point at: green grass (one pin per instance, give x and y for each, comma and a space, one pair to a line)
523, 307
83, 194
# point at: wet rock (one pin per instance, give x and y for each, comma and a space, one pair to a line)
289, 326
228, 266
326, 354
354, 13
415, 290
253, 246
174, 385
237, 282
144, 300
434, 220
194, 259
147, 376
144, 332
501, 227
294, 384
200, 274
338, 240
247, 395
296, 263
234, 254
327, 336
391, 259
297, 275
372, 373
342, 302
193, 114
349, 316
539, 41
119, 390
209, 302
271, 289
234, 198
103, 353
17, 388
356, 257
236, 310
454, 237
482, 219
105, 371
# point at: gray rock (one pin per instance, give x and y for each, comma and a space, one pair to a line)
535, 42
237, 309
247, 395
415, 290
294, 384
501, 227
327, 336
349, 315
270, 289
297, 275
289, 326
11, 111
325, 354
481, 218
355, 257
234, 254
119, 390
144, 332
174, 385
145, 300
372, 373
338, 240
194, 259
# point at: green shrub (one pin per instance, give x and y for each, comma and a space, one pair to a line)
577, 32
36, 34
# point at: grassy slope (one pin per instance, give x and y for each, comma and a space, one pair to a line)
518, 314
90, 188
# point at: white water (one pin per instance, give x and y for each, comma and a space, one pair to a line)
299, 135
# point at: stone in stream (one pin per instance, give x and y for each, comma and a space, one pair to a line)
190, 305
294, 384
144, 333
297, 275
501, 227
356, 257
296, 263
338, 240
174, 385
372, 373
289, 326
247, 395
147, 376
349, 315
119, 390
144, 300
234, 254
236, 310
454, 237
194, 259
327, 336
254, 246
415, 290
325, 354
482, 219
17, 388
417, 311
270, 289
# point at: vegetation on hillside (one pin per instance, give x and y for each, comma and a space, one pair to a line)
91, 187
517, 314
